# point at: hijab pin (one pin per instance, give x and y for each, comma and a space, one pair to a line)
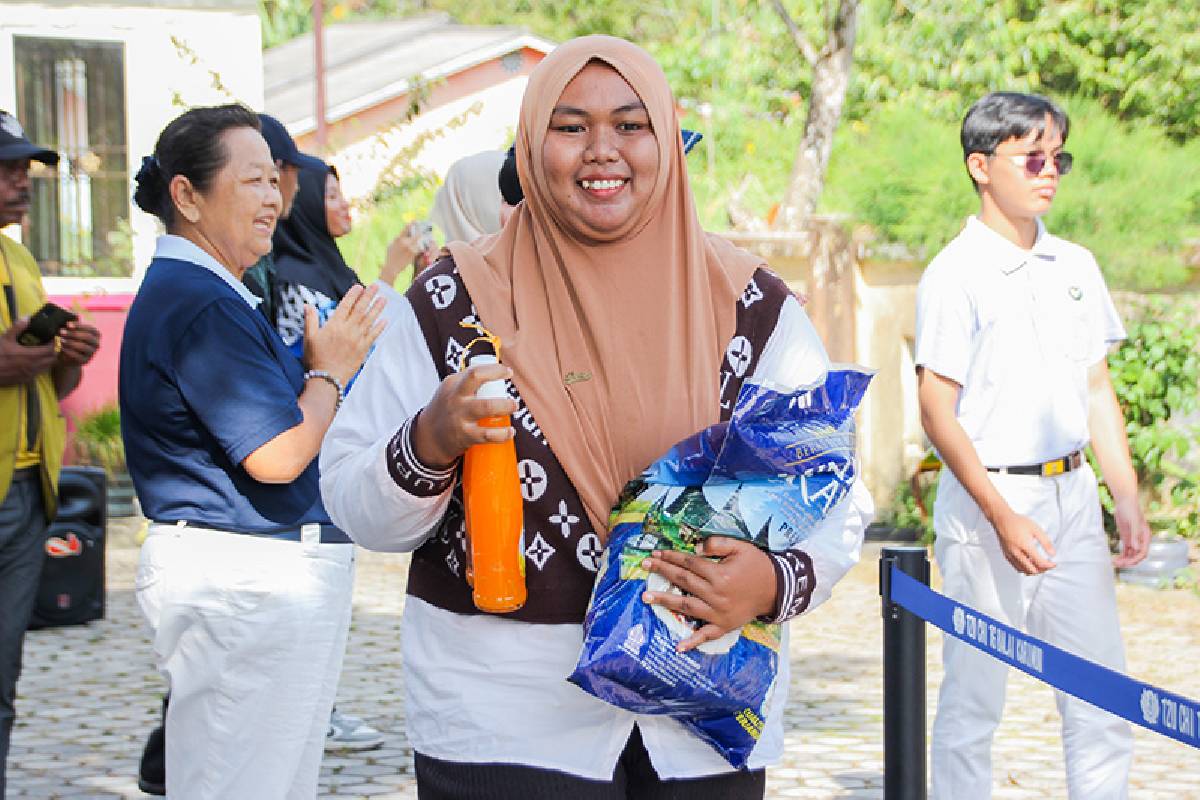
484, 336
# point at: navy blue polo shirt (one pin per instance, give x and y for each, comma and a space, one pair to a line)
204, 382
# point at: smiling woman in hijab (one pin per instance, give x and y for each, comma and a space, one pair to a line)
625, 328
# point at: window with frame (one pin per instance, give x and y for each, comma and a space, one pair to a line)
71, 98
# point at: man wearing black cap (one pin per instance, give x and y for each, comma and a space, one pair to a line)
33, 377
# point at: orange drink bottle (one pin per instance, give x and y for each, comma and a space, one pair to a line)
492, 498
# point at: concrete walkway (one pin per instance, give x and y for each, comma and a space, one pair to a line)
89, 695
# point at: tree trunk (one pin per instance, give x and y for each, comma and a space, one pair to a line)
830, 80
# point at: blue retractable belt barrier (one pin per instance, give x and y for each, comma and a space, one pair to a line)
1140, 703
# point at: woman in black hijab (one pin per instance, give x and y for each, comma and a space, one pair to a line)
309, 268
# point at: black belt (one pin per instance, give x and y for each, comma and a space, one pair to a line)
1046, 470
330, 534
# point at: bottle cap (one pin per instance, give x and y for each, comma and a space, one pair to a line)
492, 390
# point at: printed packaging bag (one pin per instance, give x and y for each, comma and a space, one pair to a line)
769, 476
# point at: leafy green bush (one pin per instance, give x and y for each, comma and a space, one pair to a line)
905, 514
381, 222
97, 439
1156, 374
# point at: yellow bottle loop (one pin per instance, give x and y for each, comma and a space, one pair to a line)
484, 336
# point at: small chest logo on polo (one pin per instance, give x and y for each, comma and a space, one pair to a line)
1075, 292
59, 547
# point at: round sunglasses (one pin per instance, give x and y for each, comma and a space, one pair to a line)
1034, 163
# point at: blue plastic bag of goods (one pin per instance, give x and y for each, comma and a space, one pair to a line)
769, 476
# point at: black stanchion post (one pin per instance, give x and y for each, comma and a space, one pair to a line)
903, 681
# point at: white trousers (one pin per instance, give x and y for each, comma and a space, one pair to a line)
1072, 606
250, 634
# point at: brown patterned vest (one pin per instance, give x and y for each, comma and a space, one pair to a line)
562, 552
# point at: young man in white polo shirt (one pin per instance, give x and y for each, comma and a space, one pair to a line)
1013, 329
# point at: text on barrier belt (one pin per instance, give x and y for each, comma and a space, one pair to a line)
1140, 703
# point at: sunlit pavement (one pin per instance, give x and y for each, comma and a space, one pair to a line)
89, 695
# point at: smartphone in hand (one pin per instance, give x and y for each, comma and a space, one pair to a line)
424, 229
45, 324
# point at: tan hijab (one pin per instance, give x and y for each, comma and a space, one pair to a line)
615, 347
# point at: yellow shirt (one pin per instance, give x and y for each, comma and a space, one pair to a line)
19, 270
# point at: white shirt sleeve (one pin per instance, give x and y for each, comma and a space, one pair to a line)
793, 357
945, 325
1109, 328
357, 486
395, 302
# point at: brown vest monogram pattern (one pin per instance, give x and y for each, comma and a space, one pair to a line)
562, 553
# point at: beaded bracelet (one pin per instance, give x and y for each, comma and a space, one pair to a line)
326, 376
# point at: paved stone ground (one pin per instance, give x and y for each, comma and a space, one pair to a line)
89, 695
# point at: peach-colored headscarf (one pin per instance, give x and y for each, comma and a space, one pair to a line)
615, 347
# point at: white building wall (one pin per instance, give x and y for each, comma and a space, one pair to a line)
171, 57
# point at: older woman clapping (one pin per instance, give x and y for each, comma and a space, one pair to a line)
243, 578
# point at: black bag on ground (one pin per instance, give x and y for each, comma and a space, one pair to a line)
71, 590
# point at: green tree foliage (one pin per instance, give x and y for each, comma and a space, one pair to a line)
1134, 198
1139, 58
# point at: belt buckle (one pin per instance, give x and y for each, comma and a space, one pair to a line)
1052, 468
310, 533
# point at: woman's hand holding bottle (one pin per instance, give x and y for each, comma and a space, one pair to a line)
450, 423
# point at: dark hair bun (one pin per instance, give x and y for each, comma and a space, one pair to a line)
191, 145
151, 186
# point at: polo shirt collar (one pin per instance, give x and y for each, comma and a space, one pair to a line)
1001, 253
181, 249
